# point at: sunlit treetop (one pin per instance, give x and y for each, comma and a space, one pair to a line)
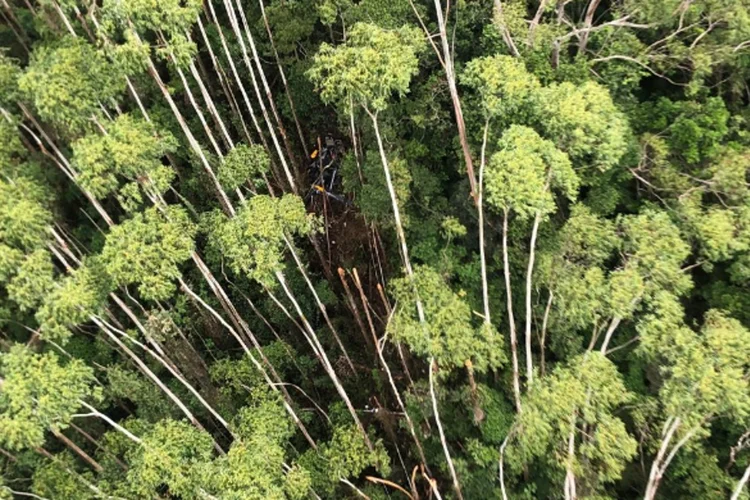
170, 19
131, 151
243, 164
371, 67
503, 84
9, 73
173, 455
148, 249
67, 80
449, 334
72, 300
583, 121
704, 372
581, 394
34, 278
523, 173
253, 241
24, 216
39, 393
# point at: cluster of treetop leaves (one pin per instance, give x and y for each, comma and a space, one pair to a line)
640, 196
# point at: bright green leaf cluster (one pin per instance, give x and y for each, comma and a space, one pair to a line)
39, 394
148, 250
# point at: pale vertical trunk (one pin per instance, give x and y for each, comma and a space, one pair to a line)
355, 310
170, 368
507, 38
223, 198
458, 112
326, 363
535, 21
741, 484
610, 331
78, 451
480, 212
302, 139
235, 73
274, 386
511, 319
587, 23
501, 466
456, 486
225, 84
263, 80
570, 478
529, 274
111, 422
264, 111
397, 215
194, 104
379, 349
68, 168
211, 106
670, 427
150, 374
319, 303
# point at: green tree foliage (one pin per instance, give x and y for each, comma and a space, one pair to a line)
183, 314
253, 241
449, 336
372, 66
521, 175
131, 151
148, 249
577, 399
244, 164
67, 80
39, 394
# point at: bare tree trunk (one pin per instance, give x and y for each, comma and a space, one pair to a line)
741, 484
379, 349
397, 215
266, 88
456, 486
223, 198
511, 319
535, 21
670, 427
529, 273
267, 378
111, 422
326, 362
480, 212
587, 23
570, 478
78, 451
150, 374
500, 21
319, 303
269, 125
450, 75
283, 80
224, 83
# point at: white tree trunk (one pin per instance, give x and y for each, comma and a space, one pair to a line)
511, 319
529, 274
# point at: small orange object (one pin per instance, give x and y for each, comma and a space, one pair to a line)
314, 154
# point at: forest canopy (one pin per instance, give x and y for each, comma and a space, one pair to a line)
293, 249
